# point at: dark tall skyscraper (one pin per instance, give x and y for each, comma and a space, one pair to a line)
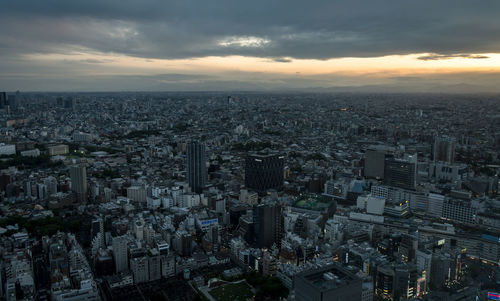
374, 163
3, 100
269, 225
401, 173
396, 279
14, 100
263, 172
70, 103
444, 149
78, 174
60, 102
196, 166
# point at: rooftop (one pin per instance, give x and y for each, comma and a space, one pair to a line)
329, 277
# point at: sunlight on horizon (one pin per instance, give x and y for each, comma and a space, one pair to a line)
116, 64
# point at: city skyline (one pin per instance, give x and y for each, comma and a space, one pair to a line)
376, 46
261, 150
159, 196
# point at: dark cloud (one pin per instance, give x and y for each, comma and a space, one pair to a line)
278, 29
274, 30
281, 60
435, 56
90, 61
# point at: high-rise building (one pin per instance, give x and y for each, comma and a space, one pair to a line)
103, 263
70, 103
59, 101
167, 266
374, 163
14, 100
459, 211
246, 227
393, 281
269, 225
424, 261
154, 268
196, 166
219, 205
3, 100
436, 202
97, 233
269, 264
408, 247
443, 149
264, 172
332, 282
183, 243
120, 253
137, 194
401, 173
78, 174
446, 267
140, 269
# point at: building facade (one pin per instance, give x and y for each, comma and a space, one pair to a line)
120, 252
333, 283
196, 166
269, 225
78, 174
444, 149
264, 172
400, 173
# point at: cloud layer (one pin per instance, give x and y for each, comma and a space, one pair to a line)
274, 29
436, 56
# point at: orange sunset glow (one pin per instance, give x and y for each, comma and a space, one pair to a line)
327, 45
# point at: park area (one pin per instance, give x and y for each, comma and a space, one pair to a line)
313, 202
232, 291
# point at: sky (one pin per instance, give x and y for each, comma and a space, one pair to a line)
268, 45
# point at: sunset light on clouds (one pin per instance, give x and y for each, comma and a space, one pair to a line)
342, 43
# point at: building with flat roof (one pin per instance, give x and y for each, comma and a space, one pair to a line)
78, 174
443, 149
374, 163
394, 280
332, 283
264, 172
61, 149
120, 252
460, 211
401, 173
196, 166
269, 225
7, 149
